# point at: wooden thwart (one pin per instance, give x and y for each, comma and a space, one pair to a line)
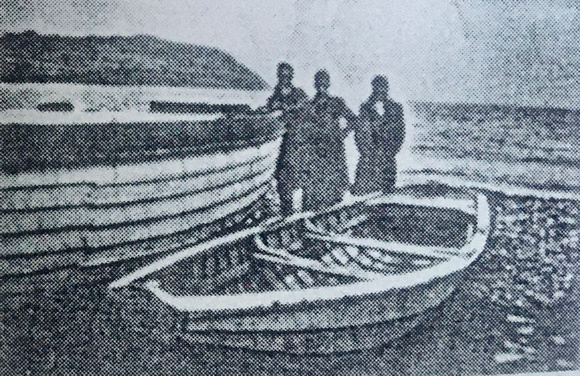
417, 250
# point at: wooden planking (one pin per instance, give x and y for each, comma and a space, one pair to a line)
380, 256
34, 197
184, 254
274, 281
215, 281
133, 173
310, 342
167, 243
305, 277
97, 195
212, 305
391, 304
313, 308
135, 232
149, 246
165, 188
270, 250
340, 256
170, 207
64, 278
53, 220
43, 243
20, 266
105, 237
45, 220
268, 226
26, 265
299, 262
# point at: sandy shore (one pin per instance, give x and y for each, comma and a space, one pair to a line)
516, 312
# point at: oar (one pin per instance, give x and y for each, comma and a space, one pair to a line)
269, 225
411, 249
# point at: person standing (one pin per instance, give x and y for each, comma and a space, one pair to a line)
379, 135
289, 100
328, 172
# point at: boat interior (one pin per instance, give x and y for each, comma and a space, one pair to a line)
375, 238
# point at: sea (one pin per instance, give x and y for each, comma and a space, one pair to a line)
516, 150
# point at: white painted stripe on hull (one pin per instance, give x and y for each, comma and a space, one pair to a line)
131, 173
25, 265
85, 216
176, 224
373, 309
165, 188
56, 242
80, 195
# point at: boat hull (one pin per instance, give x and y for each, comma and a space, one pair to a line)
317, 283
99, 268
318, 342
348, 325
86, 217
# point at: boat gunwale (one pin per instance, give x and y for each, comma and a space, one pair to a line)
101, 154
248, 303
96, 176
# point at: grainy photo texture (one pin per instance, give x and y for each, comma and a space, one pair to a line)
329, 187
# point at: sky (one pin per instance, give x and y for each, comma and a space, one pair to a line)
507, 51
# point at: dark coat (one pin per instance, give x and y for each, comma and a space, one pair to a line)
292, 104
328, 170
378, 138
380, 135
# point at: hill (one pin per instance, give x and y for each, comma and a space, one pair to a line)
118, 60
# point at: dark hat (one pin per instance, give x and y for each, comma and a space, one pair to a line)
380, 82
321, 74
285, 66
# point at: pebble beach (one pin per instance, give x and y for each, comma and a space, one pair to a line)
516, 312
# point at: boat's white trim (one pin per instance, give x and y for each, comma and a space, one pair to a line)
249, 301
138, 172
59, 118
95, 217
37, 198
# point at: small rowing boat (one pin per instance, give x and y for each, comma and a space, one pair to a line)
352, 277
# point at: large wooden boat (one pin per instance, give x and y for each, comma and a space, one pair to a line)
353, 277
86, 196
